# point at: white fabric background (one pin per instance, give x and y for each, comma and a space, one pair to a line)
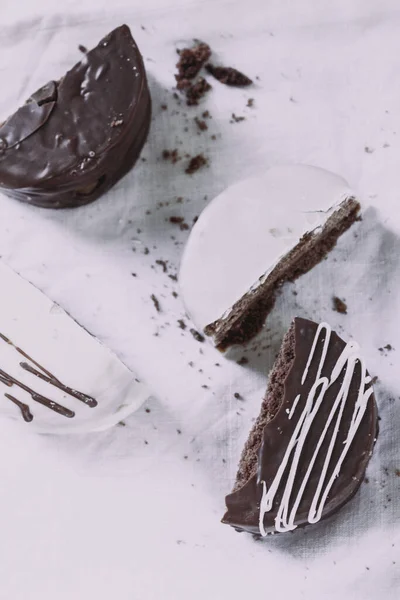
109, 515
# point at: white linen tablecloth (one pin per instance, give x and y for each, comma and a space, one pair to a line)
133, 513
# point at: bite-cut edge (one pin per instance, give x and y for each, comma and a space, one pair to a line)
270, 406
246, 317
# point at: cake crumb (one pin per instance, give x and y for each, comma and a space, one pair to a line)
163, 264
237, 396
181, 323
339, 305
173, 277
250, 102
368, 150
195, 163
201, 124
228, 76
191, 61
196, 91
147, 410
388, 347
197, 336
171, 155
397, 472
176, 220
82, 49
236, 119
156, 303
174, 294
164, 106
243, 361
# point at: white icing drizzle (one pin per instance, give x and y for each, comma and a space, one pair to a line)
287, 510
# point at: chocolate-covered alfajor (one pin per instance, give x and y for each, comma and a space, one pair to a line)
309, 448
76, 137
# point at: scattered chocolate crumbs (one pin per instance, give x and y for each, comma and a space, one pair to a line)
82, 49
134, 274
339, 306
366, 480
147, 410
195, 219
163, 264
181, 323
205, 387
191, 60
206, 114
179, 200
388, 347
171, 155
173, 277
237, 396
368, 150
146, 251
156, 303
236, 119
195, 163
176, 220
229, 76
201, 124
183, 227
197, 336
397, 472
178, 431
191, 363
121, 424
175, 295
164, 106
243, 361
213, 137
195, 92
250, 102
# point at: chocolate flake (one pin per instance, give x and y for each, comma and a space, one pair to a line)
171, 155
197, 336
243, 361
236, 119
229, 76
201, 124
195, 163
163, 264
339, 305
176, 220
156, 303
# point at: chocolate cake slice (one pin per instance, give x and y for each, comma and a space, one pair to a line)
76, 137
247, 316
253, 238
309, 448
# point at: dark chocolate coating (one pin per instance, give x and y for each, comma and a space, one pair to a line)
243, 505
76, 138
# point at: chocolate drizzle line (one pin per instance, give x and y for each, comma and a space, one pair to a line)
46, 376
61, 410
88, 400
25, 412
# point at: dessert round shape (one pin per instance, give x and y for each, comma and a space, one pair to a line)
254, 236
75, 138
54, 376
309, 448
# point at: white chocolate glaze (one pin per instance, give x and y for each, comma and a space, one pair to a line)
32, 322
287, 472
246, 230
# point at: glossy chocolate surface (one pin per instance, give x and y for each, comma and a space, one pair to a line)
76, 137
